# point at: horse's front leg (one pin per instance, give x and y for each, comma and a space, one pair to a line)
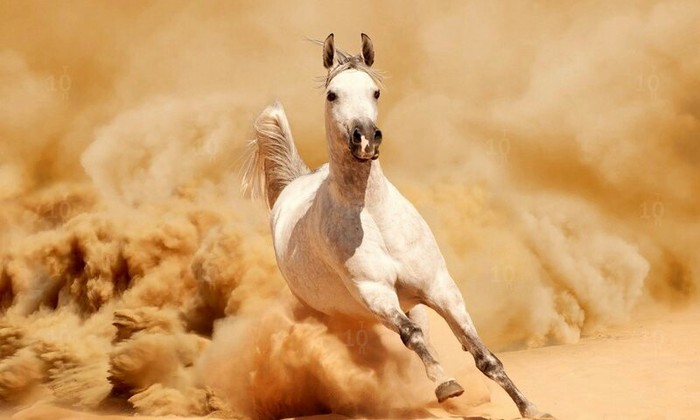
382, 301
449, 387
445, 298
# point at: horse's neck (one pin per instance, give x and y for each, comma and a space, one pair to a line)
356, 183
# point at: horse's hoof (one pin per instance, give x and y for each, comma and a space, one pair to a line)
447, 390
535, 414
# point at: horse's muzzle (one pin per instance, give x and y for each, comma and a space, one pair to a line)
364, 140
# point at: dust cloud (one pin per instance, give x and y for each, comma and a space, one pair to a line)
553, 149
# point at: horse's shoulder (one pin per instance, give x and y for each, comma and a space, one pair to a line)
301, 188
403, 223
402, 204
295, 200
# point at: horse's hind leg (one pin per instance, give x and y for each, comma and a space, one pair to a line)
445, 298
383, 302
449, 387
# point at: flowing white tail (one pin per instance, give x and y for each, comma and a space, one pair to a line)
273, 161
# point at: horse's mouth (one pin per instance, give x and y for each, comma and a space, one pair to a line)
364, 154
366, 158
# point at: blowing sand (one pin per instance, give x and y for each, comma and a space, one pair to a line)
645, 370
552, 148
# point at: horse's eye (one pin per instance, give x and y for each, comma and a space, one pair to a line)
376, 94
331, 96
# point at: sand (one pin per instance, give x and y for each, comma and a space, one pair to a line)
647, 369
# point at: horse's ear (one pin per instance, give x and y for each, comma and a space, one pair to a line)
367, 50
328, 52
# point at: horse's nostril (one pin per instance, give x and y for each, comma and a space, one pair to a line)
356, 136
378, 136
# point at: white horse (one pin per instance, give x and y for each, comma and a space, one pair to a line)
347, 242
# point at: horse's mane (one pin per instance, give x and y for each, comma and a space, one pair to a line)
347, 61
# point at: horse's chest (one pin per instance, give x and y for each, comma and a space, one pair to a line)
346, 232
362, 245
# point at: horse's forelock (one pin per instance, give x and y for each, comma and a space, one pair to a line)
346, 61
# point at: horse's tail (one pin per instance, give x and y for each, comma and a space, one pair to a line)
273, 160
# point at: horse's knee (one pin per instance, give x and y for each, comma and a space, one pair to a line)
488, 363
410, 334
412, 337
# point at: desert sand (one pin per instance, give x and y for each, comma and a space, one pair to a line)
647, 369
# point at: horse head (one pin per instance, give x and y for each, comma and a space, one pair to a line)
352, 93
